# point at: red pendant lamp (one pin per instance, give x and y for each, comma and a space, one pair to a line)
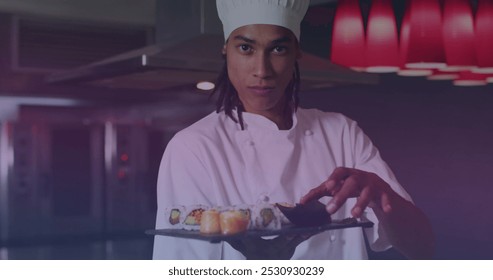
404, 46
348, 36
458, 35
425, 48
439, 75
484, 36
381, 41
467, 78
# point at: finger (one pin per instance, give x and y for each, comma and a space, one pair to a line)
385, 203
338, 176
341, 174
326, 188
350, 188
363, 200
329, 187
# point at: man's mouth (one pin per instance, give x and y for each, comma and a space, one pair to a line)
261, 89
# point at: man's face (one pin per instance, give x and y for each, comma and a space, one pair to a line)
260, 61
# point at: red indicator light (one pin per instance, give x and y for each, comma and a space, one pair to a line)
124, 157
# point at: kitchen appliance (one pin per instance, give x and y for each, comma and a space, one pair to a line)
87, 173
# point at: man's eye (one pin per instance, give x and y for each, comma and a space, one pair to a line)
245, 48
279, 49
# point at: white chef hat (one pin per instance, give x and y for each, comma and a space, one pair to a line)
238, 13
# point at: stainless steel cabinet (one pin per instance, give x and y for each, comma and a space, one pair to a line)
77, 174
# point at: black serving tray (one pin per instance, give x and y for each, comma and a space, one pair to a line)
285, 230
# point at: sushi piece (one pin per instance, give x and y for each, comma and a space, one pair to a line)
209, 223
264, 217
247, 210
194, 216
280, 214
310, 214
233, 222
174, 216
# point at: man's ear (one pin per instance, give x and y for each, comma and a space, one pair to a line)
224, 49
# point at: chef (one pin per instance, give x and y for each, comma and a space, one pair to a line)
260, 145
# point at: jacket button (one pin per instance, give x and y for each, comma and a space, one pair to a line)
308, 132
264, 198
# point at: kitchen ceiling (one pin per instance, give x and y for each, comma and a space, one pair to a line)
138, 12
141, 12
185, 62
188, 40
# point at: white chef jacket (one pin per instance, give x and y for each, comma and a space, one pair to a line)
214, 162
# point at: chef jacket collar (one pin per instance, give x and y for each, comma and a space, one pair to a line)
255, 121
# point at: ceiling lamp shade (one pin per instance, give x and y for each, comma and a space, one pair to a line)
381, 42
467, 78
438, 75
484, 36
425, 46
458, 35
404, 46
409, 72
348, 36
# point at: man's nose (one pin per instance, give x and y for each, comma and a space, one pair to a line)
262, 66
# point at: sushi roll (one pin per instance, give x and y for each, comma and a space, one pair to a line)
247, 210
233, 222
265, 217
283, 218
175, 216
209, 223
193, 217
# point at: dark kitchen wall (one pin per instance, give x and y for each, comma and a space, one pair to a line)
438, 139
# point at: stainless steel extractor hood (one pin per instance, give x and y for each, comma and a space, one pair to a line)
188, 50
